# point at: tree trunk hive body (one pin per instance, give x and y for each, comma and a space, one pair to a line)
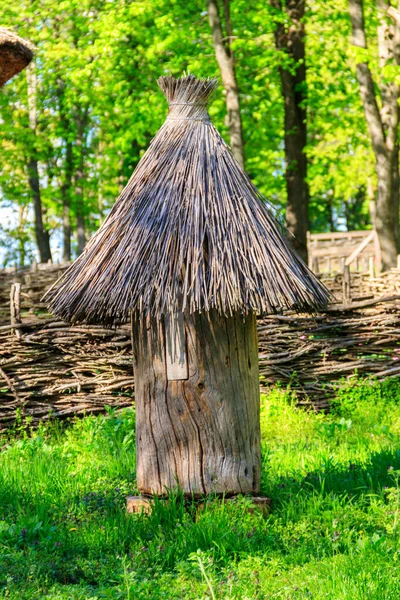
200, 433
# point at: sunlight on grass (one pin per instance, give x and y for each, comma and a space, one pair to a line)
333, 531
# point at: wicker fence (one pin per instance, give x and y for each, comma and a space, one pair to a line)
49, 368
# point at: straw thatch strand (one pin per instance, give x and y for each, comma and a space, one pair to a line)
15, 54
189, 231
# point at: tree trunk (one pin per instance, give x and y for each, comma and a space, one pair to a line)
66, 249
66, 187
384, 217
79, 180
396, 196
41, 234
197, 413
382, 122
100, 199
80, 230
66, 199
21, 236
290, 40
226, 65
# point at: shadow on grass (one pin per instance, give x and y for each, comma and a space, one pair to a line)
354, 480
95, 543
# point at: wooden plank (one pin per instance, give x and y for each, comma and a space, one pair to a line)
360, 248
139, 504
346, 285
175, 347
315, 264
338, 235
378, 254
337, 251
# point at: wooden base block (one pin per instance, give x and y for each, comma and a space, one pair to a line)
139, 504
261, 503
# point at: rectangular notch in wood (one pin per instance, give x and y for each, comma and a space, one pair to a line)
175, 347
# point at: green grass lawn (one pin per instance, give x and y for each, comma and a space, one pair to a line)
333, 529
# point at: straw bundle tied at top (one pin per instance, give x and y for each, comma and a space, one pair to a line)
189, 231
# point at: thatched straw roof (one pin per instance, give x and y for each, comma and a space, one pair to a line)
189, 231
15, 54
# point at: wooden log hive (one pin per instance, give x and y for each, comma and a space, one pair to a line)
201, 431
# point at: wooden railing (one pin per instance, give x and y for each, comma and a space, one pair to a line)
331, 252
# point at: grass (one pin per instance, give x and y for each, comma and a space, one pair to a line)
332, 533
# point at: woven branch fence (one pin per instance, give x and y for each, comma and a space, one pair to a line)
34, 282
55, 369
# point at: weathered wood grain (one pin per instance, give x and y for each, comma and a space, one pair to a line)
202, 433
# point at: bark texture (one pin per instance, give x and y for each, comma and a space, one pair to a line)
201, 433
224, 56
382, 123
290, 39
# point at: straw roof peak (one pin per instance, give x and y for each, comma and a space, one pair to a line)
188, 89
189, 232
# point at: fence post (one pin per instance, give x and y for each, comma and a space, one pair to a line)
15, 307
309, 251
346, 285
378, 255
371, 267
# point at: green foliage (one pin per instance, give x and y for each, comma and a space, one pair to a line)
97, 66
332, 532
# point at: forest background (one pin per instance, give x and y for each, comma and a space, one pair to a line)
75, 123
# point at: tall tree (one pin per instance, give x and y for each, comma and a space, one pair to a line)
382, 115
67, 171
290, 42
137, 43
41, 233
224, 56
80, 144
